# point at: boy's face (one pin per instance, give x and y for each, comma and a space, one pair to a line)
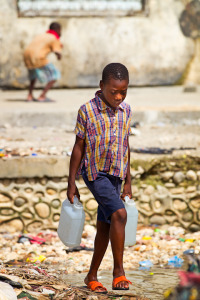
114, 91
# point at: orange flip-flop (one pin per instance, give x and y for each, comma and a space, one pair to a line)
120, 279
93, 285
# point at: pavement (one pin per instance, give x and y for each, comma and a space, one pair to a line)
169, 104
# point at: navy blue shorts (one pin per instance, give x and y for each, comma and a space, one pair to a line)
106, 190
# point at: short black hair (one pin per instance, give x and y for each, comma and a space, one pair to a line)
54, 26
116, 71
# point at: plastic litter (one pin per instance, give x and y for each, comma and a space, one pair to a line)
189, 285
189, 252
145, 265
175, 262
11, 282
135, 131
79, 248
25, 295
40, 258
147, 238
32, 239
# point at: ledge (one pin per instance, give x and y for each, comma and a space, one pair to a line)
29, 167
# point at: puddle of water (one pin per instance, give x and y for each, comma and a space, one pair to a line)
144, 284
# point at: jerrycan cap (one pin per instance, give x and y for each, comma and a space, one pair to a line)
77, 203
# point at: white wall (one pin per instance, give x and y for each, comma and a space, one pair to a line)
152, 47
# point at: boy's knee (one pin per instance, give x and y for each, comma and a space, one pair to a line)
120, 215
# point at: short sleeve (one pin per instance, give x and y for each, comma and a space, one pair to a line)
56, 45
80, 128
129, 117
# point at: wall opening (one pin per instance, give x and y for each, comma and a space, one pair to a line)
62, 8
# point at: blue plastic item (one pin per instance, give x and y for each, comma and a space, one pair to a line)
34, 154
145, 265
175, 261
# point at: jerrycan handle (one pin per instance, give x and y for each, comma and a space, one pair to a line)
77, 203
126, 199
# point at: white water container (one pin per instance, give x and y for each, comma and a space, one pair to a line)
71, 223
132, 219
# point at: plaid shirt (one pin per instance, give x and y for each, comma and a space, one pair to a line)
106, 137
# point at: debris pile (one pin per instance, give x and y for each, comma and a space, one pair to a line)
35, 265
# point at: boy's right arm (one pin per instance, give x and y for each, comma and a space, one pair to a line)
76, 157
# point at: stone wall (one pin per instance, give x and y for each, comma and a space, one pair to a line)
151, 45
166, 191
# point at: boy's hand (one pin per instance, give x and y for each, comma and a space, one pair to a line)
126, 191
72, 191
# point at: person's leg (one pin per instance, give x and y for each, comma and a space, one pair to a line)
100, 246
32, 80
30, 90
117, 238
45, 90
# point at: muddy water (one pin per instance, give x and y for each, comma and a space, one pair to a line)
145, 283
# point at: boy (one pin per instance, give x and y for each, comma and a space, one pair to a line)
101, 153
35, 58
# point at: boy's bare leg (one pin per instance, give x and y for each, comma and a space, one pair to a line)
45, 90
117, 238
100, 246
30, 91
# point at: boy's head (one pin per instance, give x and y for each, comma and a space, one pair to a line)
114, 84
56, 27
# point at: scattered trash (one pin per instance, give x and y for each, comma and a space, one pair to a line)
25, 296
79, 248
41, 268
189, 284
175, 262
145, 265
32, 239
157, 150
14, 284
135, 131
188, 252
135, 124
34, 259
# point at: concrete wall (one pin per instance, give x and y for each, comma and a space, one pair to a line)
166, 191
152, 47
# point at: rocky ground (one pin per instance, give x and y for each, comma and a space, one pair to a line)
48, 268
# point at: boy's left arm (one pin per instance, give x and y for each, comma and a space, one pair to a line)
127, 184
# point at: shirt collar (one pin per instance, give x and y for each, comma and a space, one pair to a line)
54, 33
102, 105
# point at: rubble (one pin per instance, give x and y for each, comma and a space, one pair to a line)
41, 267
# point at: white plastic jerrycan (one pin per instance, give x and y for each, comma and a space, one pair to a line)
132, 219
71, 223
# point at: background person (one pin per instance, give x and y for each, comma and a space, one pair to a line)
35, 58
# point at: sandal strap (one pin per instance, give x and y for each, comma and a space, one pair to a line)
120, 279
95, 284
